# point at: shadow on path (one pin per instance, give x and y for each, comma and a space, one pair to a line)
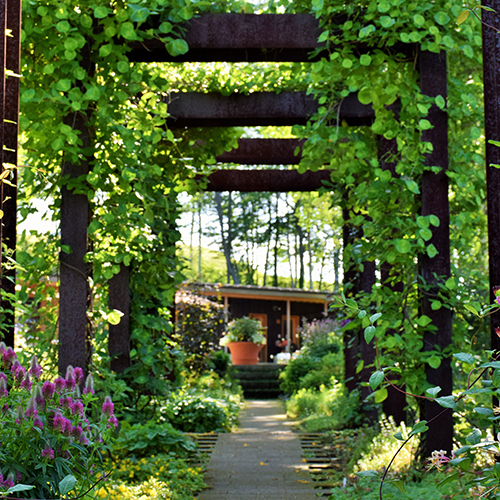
260, 460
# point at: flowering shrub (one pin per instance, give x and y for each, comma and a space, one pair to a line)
244, 329
48, 443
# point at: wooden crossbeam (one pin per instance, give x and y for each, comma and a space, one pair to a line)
192, 109
240, 38
276, 181
264, 152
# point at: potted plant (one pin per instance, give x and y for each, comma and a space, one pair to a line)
244, 338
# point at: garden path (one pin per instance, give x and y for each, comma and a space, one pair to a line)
260, 460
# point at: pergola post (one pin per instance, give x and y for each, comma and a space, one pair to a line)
435, 270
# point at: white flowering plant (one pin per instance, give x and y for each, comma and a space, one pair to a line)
48, 445
244, 329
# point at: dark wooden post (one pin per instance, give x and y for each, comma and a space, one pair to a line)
491, 78
436, 270
9, 158
74, 291
119, 335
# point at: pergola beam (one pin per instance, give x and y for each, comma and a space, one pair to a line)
193, 109
276, 181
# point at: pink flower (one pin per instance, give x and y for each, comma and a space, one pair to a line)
35, 369
108, 407
113, 421
37, 423
78, 372
8, 356
48, 390
89, 385
26, 383
438, 459
48, 453
31, 410
60, 384
76, 407
3, 387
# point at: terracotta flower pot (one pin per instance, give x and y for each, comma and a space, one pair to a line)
244, 353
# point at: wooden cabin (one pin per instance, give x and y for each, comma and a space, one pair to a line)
280, 310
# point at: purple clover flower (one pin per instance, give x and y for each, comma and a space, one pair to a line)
48, 453
8, 357
113, 421
9, 482
35, 369
76, 407
60, 384
78, 373
26, 383
89, 385
48, 390
31, 409
37, 394
3, 387
37, 423
108, 407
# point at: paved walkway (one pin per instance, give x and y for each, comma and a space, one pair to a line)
260, 460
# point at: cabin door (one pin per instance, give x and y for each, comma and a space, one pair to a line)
263, 321
294, 327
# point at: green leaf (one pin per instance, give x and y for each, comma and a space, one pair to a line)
433, 391
92, 94
375, 317
177, 47
387, 21
418, 428
448, 479
463, 463
381, 395
412, 186
487, 412
67, 484
324, 36
434, 220
369, 333
399, 436
425, 234
100, 12
351, 304
376, 378
140, 15
63, 26
464, 357
462, 17
424, 124
432, 251
474, 437
434, 362
362, 314
424, 320
450, 284
368, 473
365, 96
105, 50
447, 402
442, 18
365, 60
347, 63
70, 44
472, 309
422, 221
123, 67
127, 31
440, 102
383, 6
165, 27
63, 85
114, 317
20, 487
400, 485
403, 246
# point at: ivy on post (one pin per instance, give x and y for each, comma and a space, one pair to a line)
9, 162
491, 74
395, 403
435, 267
119, 334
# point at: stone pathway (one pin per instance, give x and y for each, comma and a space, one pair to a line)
260, 460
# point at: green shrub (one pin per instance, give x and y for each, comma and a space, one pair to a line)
292, 375
149, 438
190, 411
334, 402
219, 362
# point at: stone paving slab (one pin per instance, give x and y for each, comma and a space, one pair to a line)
260, 460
